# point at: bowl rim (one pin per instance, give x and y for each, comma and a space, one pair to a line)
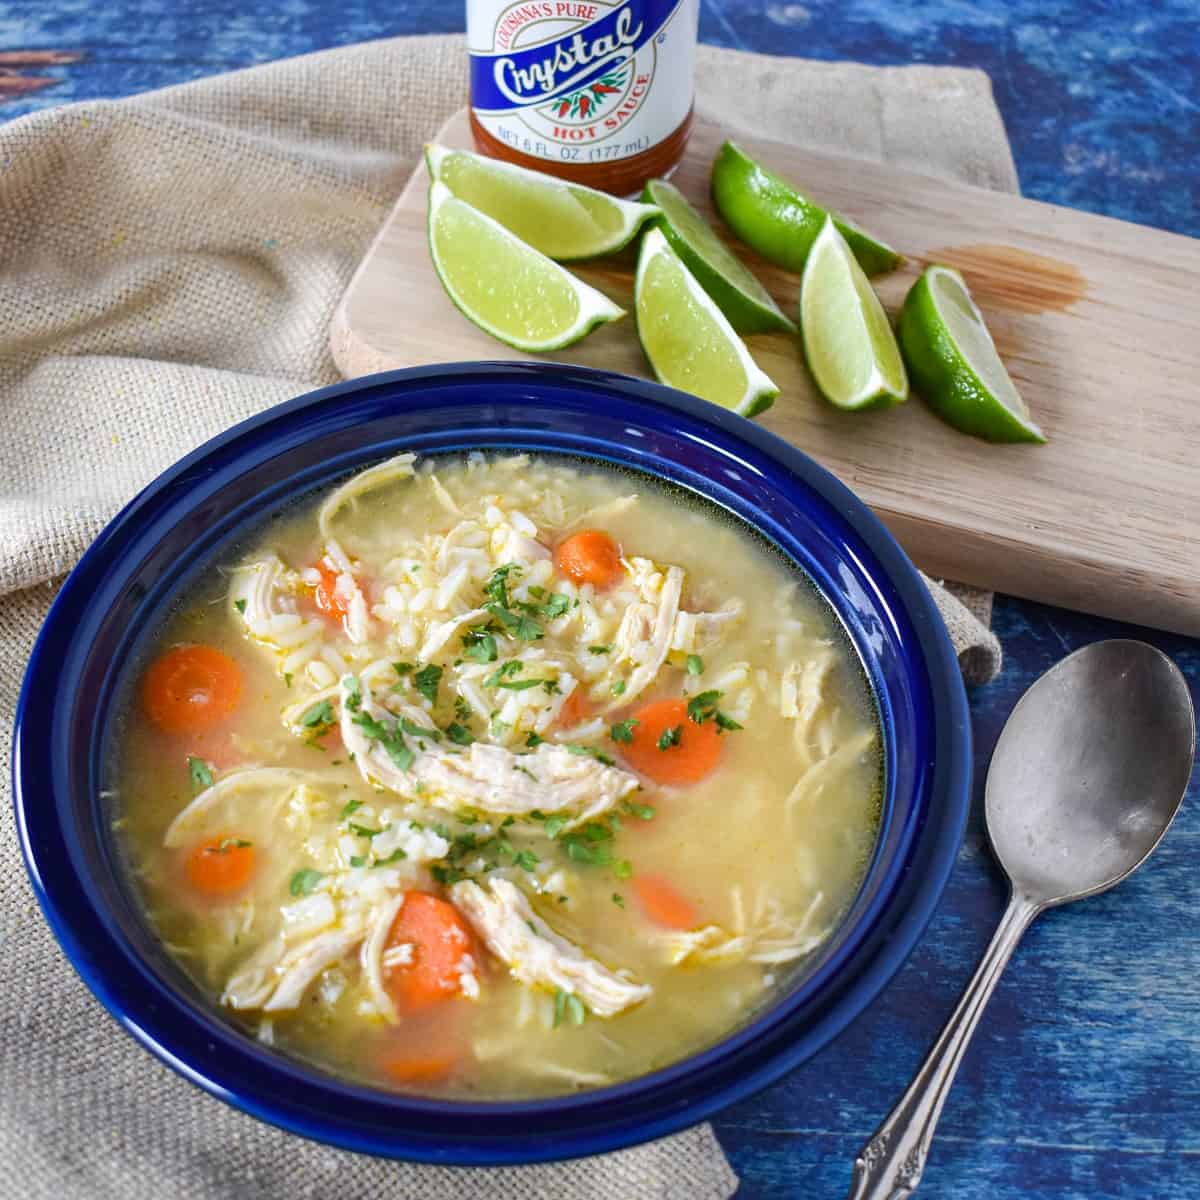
949, 784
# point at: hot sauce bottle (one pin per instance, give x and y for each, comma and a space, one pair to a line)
596, 91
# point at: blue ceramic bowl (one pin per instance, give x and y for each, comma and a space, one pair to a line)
193, 511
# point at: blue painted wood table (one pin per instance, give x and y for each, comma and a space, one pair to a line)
1084, 1080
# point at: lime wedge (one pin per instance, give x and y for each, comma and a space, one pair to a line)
740, 296
848, 342
954, 363
768, 214
506, 287
562, 220
686, 337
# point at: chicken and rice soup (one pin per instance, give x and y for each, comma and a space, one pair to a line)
497, 777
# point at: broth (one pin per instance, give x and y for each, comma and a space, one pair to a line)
638, 794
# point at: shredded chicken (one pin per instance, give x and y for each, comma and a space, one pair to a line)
357, 623
277, 975
698, 631
372, 956
800, 693
768, 938
250, 781
550, 780
443, 497
439, 634
644, 636
536, 955
400, 467
487, 778
598, 514
261, 593
522, 548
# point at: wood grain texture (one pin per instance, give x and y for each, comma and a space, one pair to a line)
1096, 320
1084, 1081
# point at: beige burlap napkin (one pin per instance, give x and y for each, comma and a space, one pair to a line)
170, 266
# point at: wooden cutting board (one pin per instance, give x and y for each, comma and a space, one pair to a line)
1098, 321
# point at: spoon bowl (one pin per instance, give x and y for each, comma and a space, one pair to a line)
1088, 774
1090, 770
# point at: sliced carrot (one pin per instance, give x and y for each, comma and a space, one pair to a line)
669, 747
663, 905
440, 940
589, 556
221, 866
326, 594
191, 688
418, 1068
576, 708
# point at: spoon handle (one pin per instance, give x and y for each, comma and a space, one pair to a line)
890, 1165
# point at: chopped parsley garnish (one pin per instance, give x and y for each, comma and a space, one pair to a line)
703, 706
358, 860
363, 830
525, 771
395, 856
200, 772
392, 740
588, 752
427, 680
353, 692
592, 844
318, 716
618, 899
533, 740
240, 605
462, 710
226, 844
523, 685
522, 626
618, 688
553, 826
670, 737
498, 727
556, 604
460, 735
695, 664
496, 588
623, 731
568, 1006
469, 853
304, 880
419, 731
349, 808
644, 812
403, 668
504, 671
479, 645
599, 649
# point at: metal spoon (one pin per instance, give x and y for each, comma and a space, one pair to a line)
1088, 774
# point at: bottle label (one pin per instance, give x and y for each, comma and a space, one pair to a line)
582, 81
